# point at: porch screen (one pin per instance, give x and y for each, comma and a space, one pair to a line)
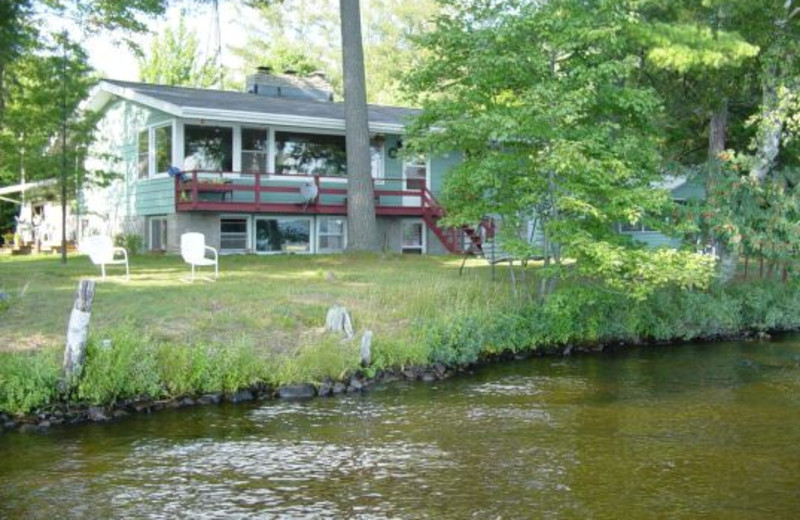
316, 154
254, 150
208, 148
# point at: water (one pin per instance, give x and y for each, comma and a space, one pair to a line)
693, 431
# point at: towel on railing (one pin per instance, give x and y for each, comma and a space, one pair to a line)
174, 171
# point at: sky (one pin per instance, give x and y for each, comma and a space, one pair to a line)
115, 61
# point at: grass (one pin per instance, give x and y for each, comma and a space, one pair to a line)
276, 303
261, 321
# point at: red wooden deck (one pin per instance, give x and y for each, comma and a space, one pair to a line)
265, 193
230, 192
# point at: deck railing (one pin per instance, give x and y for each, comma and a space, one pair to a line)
261, 192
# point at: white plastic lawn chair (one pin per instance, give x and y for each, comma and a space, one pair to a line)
193, 251
102, 252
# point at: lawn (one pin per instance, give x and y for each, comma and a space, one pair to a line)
274, 303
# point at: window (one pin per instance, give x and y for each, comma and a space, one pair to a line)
143, 154
376, 158
208, 148
233, 234
415, 171
163, 148
413, 237
283, 235
255, 150
313, 154
331, 234
154, 150
157, 240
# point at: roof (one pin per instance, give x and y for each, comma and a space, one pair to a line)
244, 107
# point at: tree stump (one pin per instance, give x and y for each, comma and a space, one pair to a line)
338, 320
78, 332
366, 348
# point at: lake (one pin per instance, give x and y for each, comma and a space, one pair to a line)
686, 431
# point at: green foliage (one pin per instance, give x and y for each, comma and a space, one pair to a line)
174, 59
305, 35
583, 315
759, 217
547, 103
27, 380
193, 369
328, 357
127, 368
132, 242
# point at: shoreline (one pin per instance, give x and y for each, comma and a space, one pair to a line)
61, 414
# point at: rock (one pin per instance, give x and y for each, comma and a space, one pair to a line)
304, 391
10, 424
119, 413
56, 421
142, 406
188, 401
366, 348
325, 389
210, 399
428, 377
440, 369
339, 388
97, 414
43, 425
356, 384
241, 396
568, 351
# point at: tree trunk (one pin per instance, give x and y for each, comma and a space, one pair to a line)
728, 253
771, 125
362, 227
64, 116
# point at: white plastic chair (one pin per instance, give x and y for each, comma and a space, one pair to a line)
193, 251
102, 252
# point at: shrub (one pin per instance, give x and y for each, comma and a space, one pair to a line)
132, 242
28, 380
127, 368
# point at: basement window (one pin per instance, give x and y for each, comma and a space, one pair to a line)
331, 234
157, 239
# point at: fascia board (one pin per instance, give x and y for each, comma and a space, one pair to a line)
142, 99
239, 116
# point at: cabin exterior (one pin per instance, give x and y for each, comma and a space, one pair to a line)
261, 171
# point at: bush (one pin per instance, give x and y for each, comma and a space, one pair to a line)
132, 242
583, 315
196, 369
126, 369
28, 380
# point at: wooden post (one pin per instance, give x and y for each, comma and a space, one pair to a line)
78, 332
258, 190
194, 189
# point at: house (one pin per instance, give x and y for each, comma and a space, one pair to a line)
37, 225
260, 171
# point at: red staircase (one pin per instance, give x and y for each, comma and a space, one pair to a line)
450, 237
